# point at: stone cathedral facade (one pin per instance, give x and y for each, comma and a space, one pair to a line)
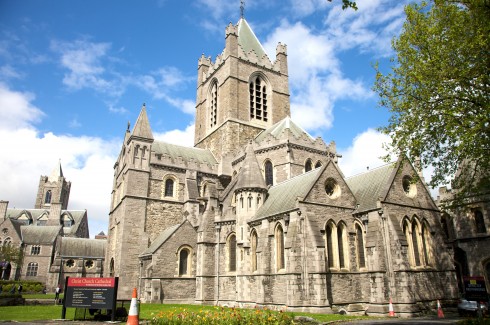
258, 213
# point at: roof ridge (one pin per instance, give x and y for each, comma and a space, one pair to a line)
370, 170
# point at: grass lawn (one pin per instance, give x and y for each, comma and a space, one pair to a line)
40, 296
147, 311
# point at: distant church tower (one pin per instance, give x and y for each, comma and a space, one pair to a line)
53, 189
241, 93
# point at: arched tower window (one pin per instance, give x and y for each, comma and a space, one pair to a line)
258, 99
232, 253
213, 106
279, 248
269, 173
254, 242
47, 197
169, 187
308, 165
318, 164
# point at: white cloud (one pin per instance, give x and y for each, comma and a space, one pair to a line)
179, 137
16, 110
315, 77
87, 161
366, 151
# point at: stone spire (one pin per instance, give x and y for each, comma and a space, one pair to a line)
250, 176
56, 173
142, 127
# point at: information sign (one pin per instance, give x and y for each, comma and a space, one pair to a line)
94, 293
475, 289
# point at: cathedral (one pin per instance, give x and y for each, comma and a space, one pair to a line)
259, 214
54, 240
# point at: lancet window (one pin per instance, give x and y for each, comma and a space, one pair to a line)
258, 99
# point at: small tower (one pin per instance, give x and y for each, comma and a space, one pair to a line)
53, 189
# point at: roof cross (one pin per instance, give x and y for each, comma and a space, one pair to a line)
242, 8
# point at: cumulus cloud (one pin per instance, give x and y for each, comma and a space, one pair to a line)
316, 78
87, 161
365, 152
180, 137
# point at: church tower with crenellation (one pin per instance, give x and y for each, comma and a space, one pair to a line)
240, 94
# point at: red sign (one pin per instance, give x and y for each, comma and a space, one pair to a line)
91, 282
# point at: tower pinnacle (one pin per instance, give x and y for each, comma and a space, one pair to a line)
242, 8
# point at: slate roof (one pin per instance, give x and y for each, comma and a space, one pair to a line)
186, 153
282, 197
88, 248
160, 240
368, 187
39, 235
248, 40
250, 176
279, 127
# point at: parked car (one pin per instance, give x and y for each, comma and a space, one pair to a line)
469, 308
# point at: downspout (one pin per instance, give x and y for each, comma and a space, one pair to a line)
218, 227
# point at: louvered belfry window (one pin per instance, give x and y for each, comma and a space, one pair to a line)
258, 99
214, 104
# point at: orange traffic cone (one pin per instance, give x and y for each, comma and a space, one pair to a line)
440, 313
133, 318
390, 309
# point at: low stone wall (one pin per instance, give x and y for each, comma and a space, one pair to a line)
12, 301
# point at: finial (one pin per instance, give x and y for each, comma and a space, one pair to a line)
242, 8
144, 104
129, 125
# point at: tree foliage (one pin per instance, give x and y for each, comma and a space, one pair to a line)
438, 91
347, 4
11, 254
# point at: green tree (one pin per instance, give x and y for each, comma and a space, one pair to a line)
438, 91
11, 254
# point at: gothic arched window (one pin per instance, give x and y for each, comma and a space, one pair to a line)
185, 261
479, 221
258, 99
279, 248
169, 187
254, 242
318, 164
213, 106
232, 253
269, 173
330, 253
111, 267
308, 165
361, 261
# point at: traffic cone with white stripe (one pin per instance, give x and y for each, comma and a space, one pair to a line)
390, 309
133, 318
440, 313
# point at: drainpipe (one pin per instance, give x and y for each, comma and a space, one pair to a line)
218, 228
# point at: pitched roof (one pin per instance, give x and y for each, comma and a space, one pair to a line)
277, 129
250, 176
88, 248
160, 240
282, 197
142, 127
368, 187
39, 235
248, 40
186, 153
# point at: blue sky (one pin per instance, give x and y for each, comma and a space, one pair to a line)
73, 73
